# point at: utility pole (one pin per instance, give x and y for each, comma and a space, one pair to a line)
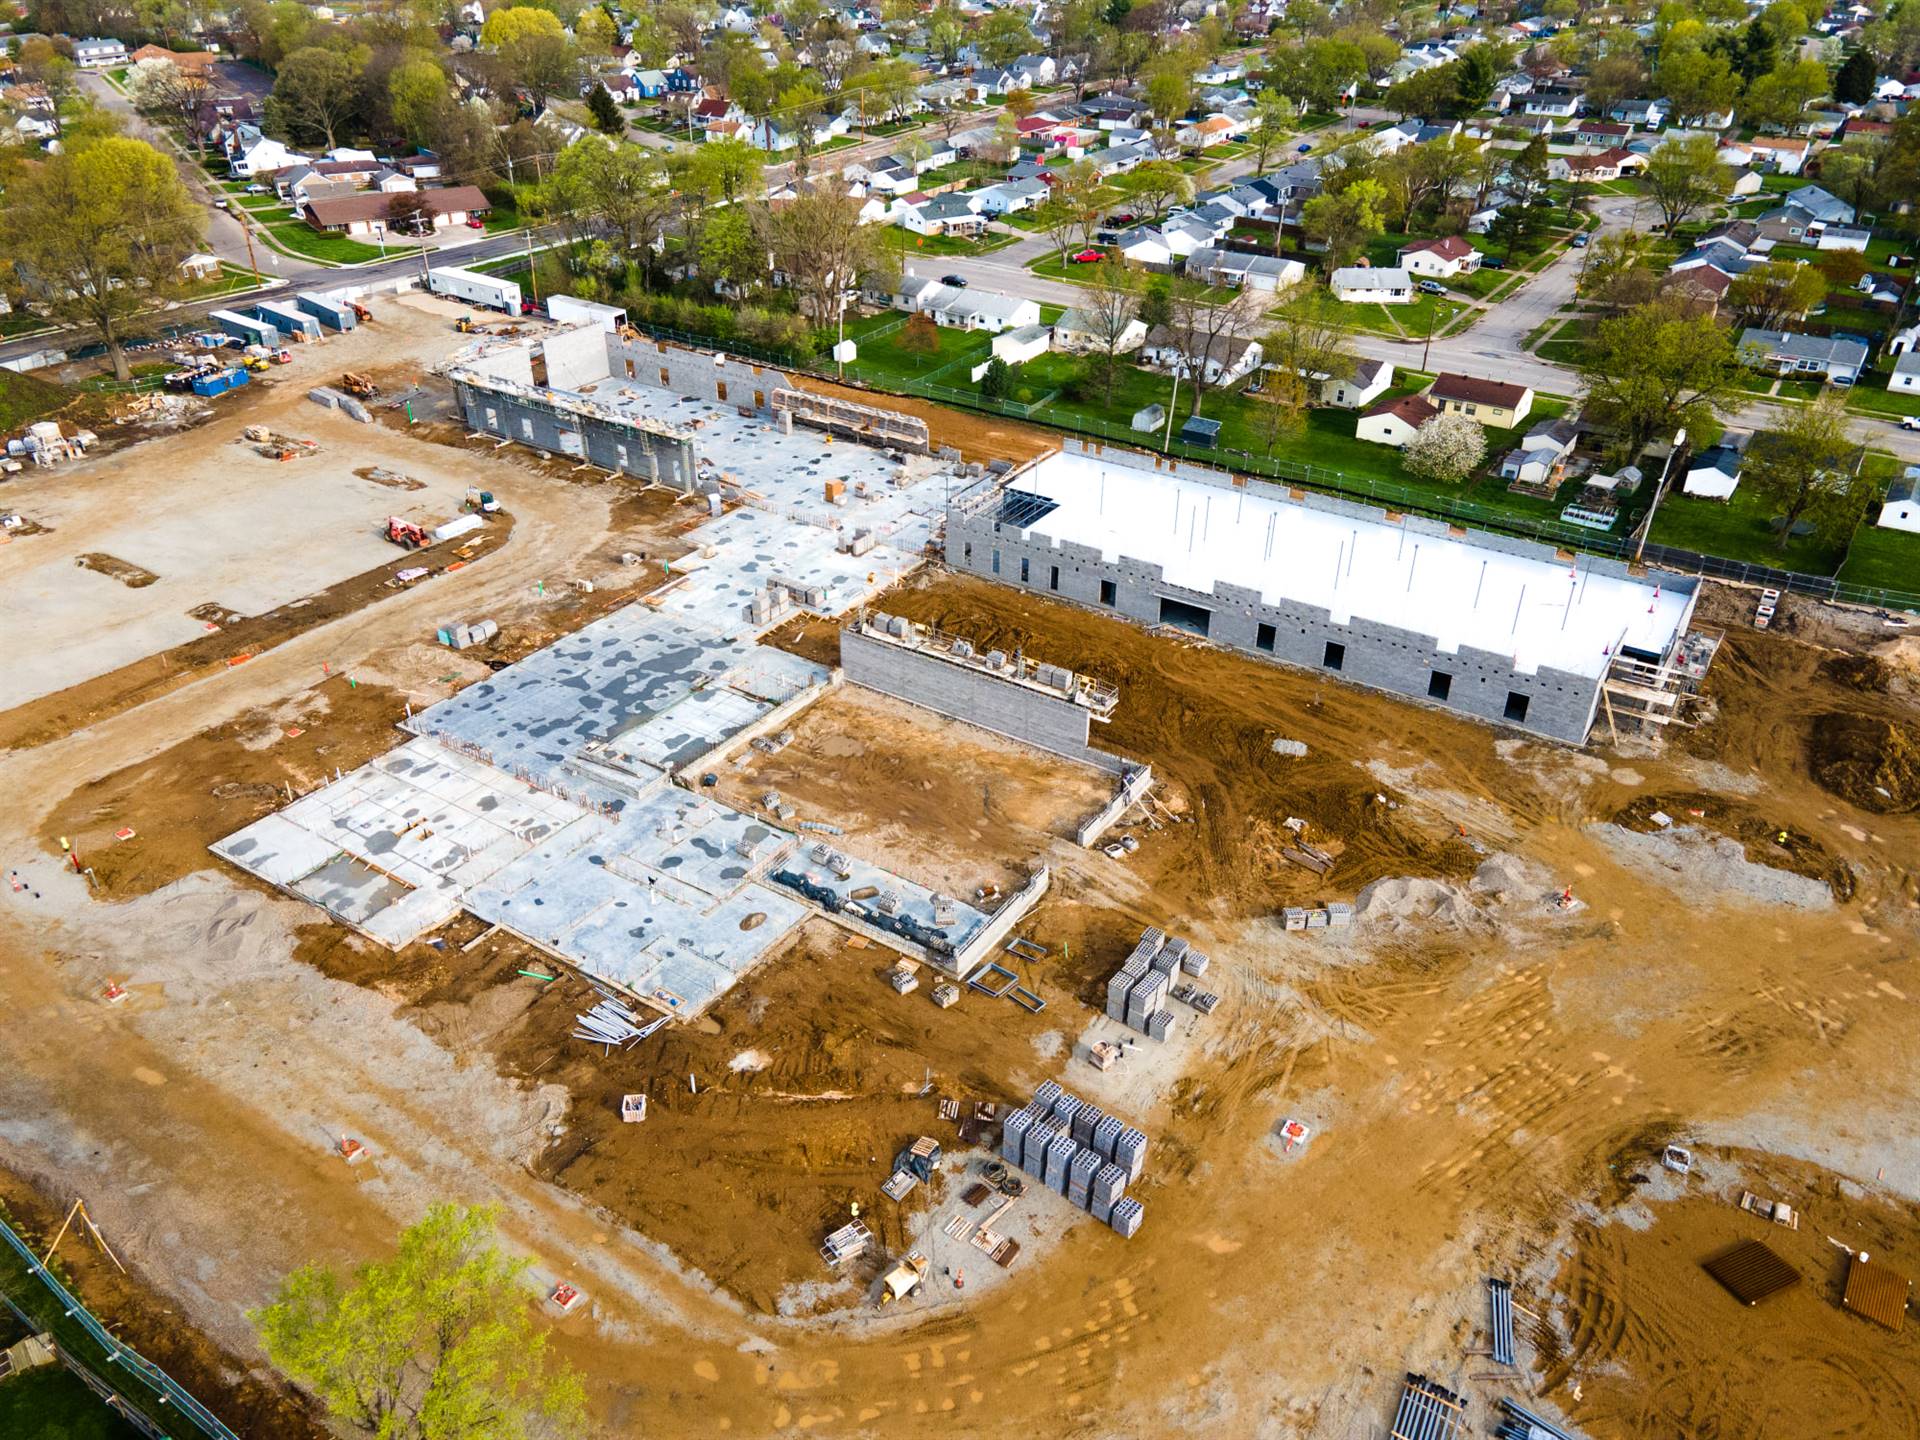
1646, 529
1426, 349
1173, 404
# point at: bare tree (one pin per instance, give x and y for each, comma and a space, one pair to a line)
165, 91
817, 242
1304, 349
1206, 333
1109, 307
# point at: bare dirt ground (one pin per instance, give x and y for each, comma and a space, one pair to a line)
1489, 1076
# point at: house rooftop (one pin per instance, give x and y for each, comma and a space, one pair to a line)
1471, 390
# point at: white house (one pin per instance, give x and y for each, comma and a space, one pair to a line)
950, 213
1713, 474
1372, 285
250, 153
97, 54
1901, 509
1441, 259
1145, 247
1540, 459
1369, 380
1077, 333
1227, 357
959, 309
1395, 422
1906, 374
1018, 346
1267, 273
1010, 196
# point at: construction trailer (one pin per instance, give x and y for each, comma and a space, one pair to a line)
475, 288
245, 328
219, 382
335, 314
566, 310
288, 319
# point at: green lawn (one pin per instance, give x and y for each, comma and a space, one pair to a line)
303, 239
1050, 266
908, 243
1874, 398
1399, 321
52, 1403
25, 398
1737, 529
883, 361
1883, 559
260, 205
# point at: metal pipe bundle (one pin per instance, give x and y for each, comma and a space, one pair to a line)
1536, 1426
611, 1023
1500, 1297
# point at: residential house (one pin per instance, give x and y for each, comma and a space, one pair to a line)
99, 54
1185, 233
1204, 134
1783, 352
1038, 71
1077, 333
1905, 378
1714, 474
1010, 196
648, 84
1881, 288
1539, 461
952, 213
251, 154
1492, 402
1702, 288
197, 60
1226, 359
1118, 159
1368, 382
1395, 422
1553, 104
1145, 247
1372, 285
1822, 205
1642, 114
1904, 342
1441, 259
357, 214
200, 267
1597, 168
1746, 184
1238, 271
1901, 509
992, 83
1603, 134
1390, 139
1016, 347
1779, 153
967, 309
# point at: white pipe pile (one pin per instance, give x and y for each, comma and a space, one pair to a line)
610, 1023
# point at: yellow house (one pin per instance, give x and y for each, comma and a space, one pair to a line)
1497, 406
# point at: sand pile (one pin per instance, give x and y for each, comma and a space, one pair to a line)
1704, 866
1508, 877
1401, 902
1874, 764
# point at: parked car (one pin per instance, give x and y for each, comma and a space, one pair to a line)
1487, 262
1432, 287
220, 202
1303, 148
959, 282
1580, 241
1122, 217
474, 222
1089, 257
256, 190
1910, 422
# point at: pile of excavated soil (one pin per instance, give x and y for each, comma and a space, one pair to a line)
1868, 762
1764, 840
1858, 672
1704, 866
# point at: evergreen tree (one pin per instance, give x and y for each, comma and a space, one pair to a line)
1858, 78
606, 112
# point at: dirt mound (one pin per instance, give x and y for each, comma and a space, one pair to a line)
1403, 901
1703, 865
1872, 763
1764, 840
1858, 672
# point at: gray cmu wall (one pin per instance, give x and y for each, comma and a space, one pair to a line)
971, 695
1560, 705
693, 373
611, 445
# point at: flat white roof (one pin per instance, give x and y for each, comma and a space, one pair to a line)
1540, 612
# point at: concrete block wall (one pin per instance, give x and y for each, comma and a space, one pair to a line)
975, 696
576, 357
695, 373
612, 444
1560, 705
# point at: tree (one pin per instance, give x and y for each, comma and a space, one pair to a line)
1808, 469
516, 23
317, 92
1778, 97
1448, 448
1059, 218
438, 1341
416, 95
605, 110
1159, 185
1686, 175
1616, 76
1004, 38
165, 91
102, 229
1273, 120
531, 51
42, 64
1857, 79
1203, 330
409, 212
723, 171
1346, 221
623, 188
731, 251
1170, 84
1772, 293
817, 241
997, 382
920, 336
594, 34
1696, 84
1618, 272
1655, 370
1109, 308
802, 107
1305, 348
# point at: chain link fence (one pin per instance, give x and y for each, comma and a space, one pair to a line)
143, 1394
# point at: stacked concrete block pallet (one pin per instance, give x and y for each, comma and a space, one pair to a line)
1085, 1122
1160, 1024
1106, 1135
1137, 991
1073, 1148
1060, 1153
1130, 1153
1109, 1182
1080, 1172
1145, 998
1127, 1215
1013, 1136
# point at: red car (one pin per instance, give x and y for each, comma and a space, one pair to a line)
1089, 257
474, 222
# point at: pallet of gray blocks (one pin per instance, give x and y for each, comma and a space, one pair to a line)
1033, 1151
1101, 1210
1160, 1024
1065, 1108
1048, 1092
1194, 962
1127, 1215
1106, 1135
1060, 1153
1339, 915
1165, 962
1130, 1153
1176, 947
1109, 1182
1153, 937
1316, 919
1293, 918
1084, 1123
1083, 1168
1013, 1134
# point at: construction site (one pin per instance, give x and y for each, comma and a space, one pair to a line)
921, 930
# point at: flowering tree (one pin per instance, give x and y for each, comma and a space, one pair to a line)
1447, 447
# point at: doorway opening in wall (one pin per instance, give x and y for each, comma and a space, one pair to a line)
1439, 685
1024, 578
1335, 656
1053, 577
996, 562
1109, 593
1182, 616
1263, 638
1516, 710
